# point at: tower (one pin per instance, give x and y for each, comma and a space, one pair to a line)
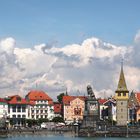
122, 96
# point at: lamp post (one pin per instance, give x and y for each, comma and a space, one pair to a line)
127, 130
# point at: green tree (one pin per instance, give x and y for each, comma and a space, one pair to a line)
60, 97
58, 119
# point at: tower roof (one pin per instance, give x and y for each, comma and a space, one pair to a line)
122, 84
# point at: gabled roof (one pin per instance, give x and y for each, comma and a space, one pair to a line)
67, 99
102, 101
16, 99
36, 95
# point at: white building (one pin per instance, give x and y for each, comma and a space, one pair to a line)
3, 108
43, 105
18, 109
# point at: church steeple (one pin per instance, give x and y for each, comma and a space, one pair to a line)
122, 96
122, 84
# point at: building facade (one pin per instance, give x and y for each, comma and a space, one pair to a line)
18, 110
3, 108
73, 108
43, 105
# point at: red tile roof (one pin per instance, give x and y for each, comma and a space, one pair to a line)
3, 100
16, 99
67, 99
137, 95
57, 108
102, 101
36, 95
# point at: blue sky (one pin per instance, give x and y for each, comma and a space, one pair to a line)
63, 22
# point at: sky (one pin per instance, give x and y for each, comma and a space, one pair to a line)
56, 45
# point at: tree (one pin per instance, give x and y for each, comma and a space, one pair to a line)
60, 97
58, 119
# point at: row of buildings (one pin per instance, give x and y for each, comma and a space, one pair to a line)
124, 107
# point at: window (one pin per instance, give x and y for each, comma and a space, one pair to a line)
14, 116
23, 109
41, 111
37, 116
19, 116
23, 116
121, 103
33, 116
124, 94
14, 108
45, 111
37, 111
119, 94
32, 111
41, 116
19, 109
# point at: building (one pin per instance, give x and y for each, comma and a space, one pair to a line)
122, 96
18, 110
3, 108
43, 105
57, 109
103, 109
73, 108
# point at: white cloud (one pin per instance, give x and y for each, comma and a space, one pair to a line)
72, 67
137, 38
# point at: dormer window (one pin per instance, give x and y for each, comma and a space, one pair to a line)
18, 99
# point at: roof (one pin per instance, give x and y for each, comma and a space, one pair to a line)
36, 95
57, 108
16, 99
122, 84
102, 101
3, 100
137, 95
67, 99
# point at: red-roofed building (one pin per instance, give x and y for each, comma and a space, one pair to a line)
18, 109
73, 108
43, 105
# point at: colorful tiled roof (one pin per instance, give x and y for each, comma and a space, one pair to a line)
67, 99
36, 95
3, 100
16, 99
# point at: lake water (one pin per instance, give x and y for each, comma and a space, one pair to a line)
59, 137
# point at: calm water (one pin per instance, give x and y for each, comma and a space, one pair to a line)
58, 137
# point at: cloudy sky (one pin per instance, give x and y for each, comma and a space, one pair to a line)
54, 46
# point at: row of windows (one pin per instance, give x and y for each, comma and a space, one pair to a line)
39, 111
119, 94
18, 109
19, 116
41, 116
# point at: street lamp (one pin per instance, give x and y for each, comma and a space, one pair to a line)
127, 130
